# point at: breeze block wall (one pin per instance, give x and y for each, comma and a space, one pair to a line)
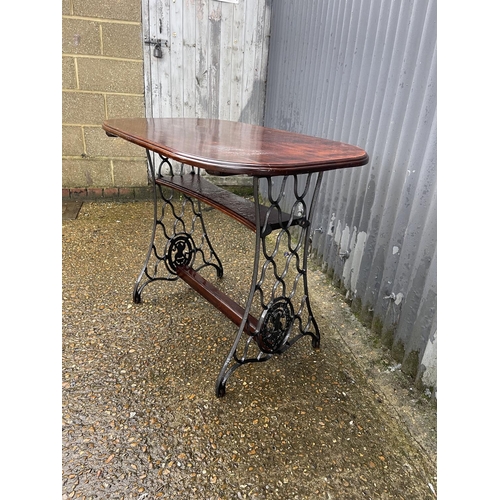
103, 77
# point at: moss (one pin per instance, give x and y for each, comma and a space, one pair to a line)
383, 337
411, 363
397, 350
377, 326
366, 316
376, 342
338, 284
329, 275
421, 386
356, 307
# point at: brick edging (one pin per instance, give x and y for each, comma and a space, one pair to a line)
95, 194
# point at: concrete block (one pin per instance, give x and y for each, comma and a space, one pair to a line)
83, 108
231, 180
81, 37
72, 141
130, 173
86, 173
108, 75
66, 8
68, 73
122, 40
124, 10
125, 106
99, 144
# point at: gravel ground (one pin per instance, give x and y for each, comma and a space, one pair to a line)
140, 418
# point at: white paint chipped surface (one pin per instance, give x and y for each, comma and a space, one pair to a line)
214, 62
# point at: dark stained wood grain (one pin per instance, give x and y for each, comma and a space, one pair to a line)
229, 148
235, 206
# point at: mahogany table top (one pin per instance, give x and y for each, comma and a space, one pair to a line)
233, 148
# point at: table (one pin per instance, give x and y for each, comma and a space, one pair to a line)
287, 170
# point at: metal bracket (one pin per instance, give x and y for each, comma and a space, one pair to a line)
156, 41
344, 254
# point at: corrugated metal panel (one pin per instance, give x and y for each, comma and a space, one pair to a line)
364, 72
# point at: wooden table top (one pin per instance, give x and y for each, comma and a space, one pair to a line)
233, 148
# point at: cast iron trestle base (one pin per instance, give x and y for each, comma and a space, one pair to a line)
278, 311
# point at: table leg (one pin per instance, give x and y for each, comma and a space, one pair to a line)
278, 295
178, 236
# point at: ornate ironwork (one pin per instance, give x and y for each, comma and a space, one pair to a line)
279, 284
274, 326
278, 294
178, 235
181, 251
